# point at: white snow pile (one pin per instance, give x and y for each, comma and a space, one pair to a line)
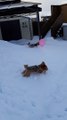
38, 97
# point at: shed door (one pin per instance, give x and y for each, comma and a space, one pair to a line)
10, 30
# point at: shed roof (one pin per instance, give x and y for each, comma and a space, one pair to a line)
19, 8
19, 4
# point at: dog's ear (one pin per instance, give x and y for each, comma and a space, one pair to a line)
26, 66
43, 63
44, 66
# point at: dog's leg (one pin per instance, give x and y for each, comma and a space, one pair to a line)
40, 70
26, 73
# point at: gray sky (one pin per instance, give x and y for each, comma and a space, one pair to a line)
46, 5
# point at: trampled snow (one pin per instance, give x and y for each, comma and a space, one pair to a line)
40, 96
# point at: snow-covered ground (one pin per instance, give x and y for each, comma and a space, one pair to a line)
40, 96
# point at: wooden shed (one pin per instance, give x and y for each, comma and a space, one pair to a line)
10, 9
55, 21
64, 12
60, 9
59, 17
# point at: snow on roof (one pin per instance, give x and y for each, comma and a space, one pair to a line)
21, 4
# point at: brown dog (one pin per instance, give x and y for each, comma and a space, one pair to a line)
36, 68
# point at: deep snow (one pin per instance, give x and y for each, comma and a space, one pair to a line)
42, 97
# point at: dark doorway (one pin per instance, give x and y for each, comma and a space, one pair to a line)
10, 30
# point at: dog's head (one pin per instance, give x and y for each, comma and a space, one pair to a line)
43, 66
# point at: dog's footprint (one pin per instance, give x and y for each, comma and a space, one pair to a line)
65, 110
33, 104
35, 78
48, 116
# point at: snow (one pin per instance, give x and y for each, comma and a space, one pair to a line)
40, 96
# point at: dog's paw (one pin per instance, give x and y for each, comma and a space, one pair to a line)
26, 73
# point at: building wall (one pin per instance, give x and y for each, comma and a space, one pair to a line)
64, 12
60, 9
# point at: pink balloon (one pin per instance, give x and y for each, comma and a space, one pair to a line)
41, 42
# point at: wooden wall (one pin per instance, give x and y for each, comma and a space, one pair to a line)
64, 12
